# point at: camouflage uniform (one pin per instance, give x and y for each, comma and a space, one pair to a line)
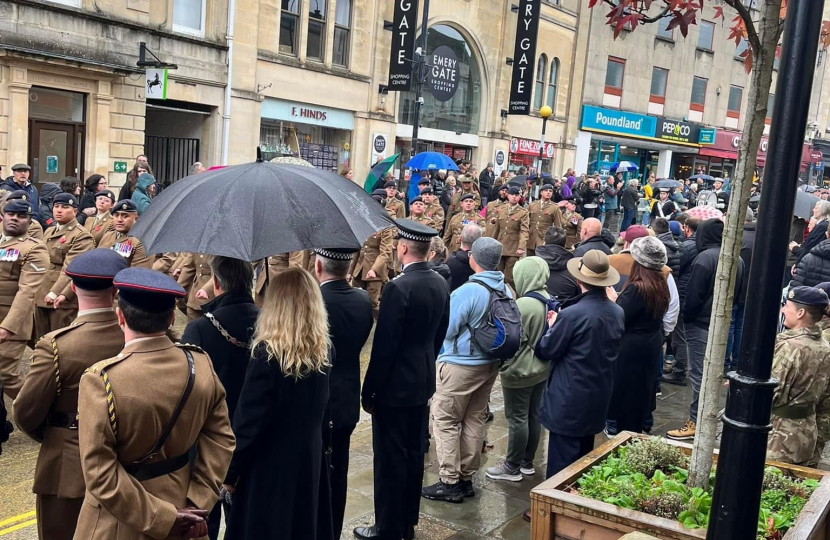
823, 409
801, 364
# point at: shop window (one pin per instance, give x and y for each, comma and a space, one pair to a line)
739, 50
316, 44
770, 104
614, 76
698, 100
706, 36
342, 32
659, 78
289, 23
539, 90
663, 29
552, 84
733, 107
189, 16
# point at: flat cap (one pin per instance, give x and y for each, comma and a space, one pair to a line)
106, 193
808, 296
514, 190
94, 270
390, 183
467, 196
65, 198
124, 205
416, 199
466, 179
337, 254
547, 186
18, 206
147, 289
490, 164
427, 191
412, 230
21, 167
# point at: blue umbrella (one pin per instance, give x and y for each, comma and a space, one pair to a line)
624, 166
430, 161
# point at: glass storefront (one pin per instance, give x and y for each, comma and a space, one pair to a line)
603, 154
686, 165
325, 148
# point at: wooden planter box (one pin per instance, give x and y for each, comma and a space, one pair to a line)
559, 515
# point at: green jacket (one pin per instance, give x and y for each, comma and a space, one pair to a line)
525, 369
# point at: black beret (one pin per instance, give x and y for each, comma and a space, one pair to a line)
337, 254
423, 180
94, 270
124, 205
514, 190
808, 296
427, 191
390, 183
824, 287
18, 194
18, 206
67, 199
504, 187
21, 167
467, 196
106, 193
147, 289
570, 199
412, 230
416, 199
547, 186
379, 192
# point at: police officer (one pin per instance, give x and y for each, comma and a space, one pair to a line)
101, 223
195, 276
400, 380
142, 414
492, 210
23, 263
417, 213
572, 222
452, 235
466, 188
65, 240
394, 206
124, 216
35, 228
801, 363
544, 213
47, 404
512, 228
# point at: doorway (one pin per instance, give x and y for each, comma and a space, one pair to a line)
56, 134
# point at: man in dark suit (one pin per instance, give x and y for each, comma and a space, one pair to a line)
350, 322
413, 320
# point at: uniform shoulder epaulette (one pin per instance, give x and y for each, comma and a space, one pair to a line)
104, 364
191, 347
60, 331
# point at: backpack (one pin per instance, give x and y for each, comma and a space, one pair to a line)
500, 333
551, 304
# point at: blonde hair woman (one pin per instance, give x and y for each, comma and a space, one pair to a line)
277, 465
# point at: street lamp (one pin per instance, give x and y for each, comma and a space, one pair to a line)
545, 113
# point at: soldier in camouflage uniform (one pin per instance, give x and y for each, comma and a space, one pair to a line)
801, 363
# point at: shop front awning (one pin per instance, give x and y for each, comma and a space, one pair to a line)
714, 152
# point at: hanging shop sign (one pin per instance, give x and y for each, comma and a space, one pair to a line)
403, 45
443, 73
529, 147
618, 122
155, 83
524, 56
677, 131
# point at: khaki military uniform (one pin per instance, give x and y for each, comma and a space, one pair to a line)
395, 208
124, 403
424, 220
196, 275
46, 410
98, 225
23, 264
512, 229
35, 229
166, 263
275, 265
63, 246
801, 363
490, 213
455, 205
374, 255
573, 228
435, 212
452, 234
543, 215
823, 409
128, 247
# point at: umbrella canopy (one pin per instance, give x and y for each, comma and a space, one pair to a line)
260, 209
624, 166
520, 181
804, 203
705, 212
430, 161
667, 183
377, 172
289, 160
704, 177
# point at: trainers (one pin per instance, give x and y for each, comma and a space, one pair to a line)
467, 488
608, 433
527, 468
503, 471
443, 492
659, 390
683, 434
675, 378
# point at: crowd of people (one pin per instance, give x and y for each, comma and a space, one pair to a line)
519, 279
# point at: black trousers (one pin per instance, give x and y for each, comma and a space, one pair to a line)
564, 450
340, 443
398, 444
214, 520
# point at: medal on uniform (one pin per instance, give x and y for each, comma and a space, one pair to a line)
97, 228
574, 220
3, 254
124, 249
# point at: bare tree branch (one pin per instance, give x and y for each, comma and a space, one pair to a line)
749, 24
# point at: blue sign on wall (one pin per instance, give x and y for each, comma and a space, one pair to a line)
707, 136
618, 122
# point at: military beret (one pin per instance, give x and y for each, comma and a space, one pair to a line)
466, 179
19, 195
569, 198
824, 287
423, 180
504, 187
106, 193
427, 191
67, 199
379, 192
18, 206
21, 167
416, 199
147, 290
547, 186
808, 296
390, 183
94, 270
514, 190
412, 230
337, 254
467, 196
124, 205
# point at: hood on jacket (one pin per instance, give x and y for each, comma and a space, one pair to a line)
608, 238
145, 180
531, 274
493, 278
556, 257
669, 241
709, 234
48, 192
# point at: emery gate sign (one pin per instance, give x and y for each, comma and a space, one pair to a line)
403, 45
524, 57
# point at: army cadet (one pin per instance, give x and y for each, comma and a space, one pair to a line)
195, 276
492, 210
801, 363
512, 227
544, 213
369, 268
143, 477
23, 263
101, 223
466, 187
47, 404
424, 183
417, 210
266, 269
117, 238
394, 206
452, 235
35, 228
433, 209
572, 222
65, 240
166, 263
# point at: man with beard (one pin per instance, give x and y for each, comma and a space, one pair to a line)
124, 217
492, 210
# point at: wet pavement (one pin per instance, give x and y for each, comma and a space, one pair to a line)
494, 513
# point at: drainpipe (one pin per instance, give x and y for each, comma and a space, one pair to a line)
226, 115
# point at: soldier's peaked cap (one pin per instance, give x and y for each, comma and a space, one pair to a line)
105, 193
124, 205
18, 195
337, 254
412, 230
808, 296
67, 199
147, 289
467, 196
18, 206
95, 270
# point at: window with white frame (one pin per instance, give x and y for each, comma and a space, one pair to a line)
189, 16
552, 83
539, 91
663, 28
316, 44
289, 26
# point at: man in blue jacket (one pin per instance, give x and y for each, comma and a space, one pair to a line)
576, 400
20, 180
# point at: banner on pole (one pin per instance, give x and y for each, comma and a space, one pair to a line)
403, 45
524, 57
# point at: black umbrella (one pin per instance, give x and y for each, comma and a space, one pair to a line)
704, 177
260, 209
804, 203
667, 183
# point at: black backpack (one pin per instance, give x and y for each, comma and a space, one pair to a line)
500, 333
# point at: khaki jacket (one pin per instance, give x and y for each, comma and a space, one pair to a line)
424, 220
22, 271
195, 275
512, 226
573, 228
165, 263
35, 229
376, 254
452, 234
129, 247
395, 208
98, 228
436, 213
63, 247
455, 205
543, 215
276, 264
490, 213
59, 360
144, 384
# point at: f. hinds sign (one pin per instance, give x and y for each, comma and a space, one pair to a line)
310, 114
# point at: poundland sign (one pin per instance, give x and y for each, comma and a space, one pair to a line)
618, 122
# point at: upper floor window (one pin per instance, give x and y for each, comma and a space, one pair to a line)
75, 3
539, 90
739, 50
289, 26
698, 100
733, 107
659, 78
770, 103
316, 44
614, 76
706, 36
189, 16
342, 32
552, 83
662, 28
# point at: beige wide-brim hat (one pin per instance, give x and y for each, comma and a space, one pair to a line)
594, 269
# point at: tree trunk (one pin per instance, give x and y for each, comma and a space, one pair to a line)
768, 30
